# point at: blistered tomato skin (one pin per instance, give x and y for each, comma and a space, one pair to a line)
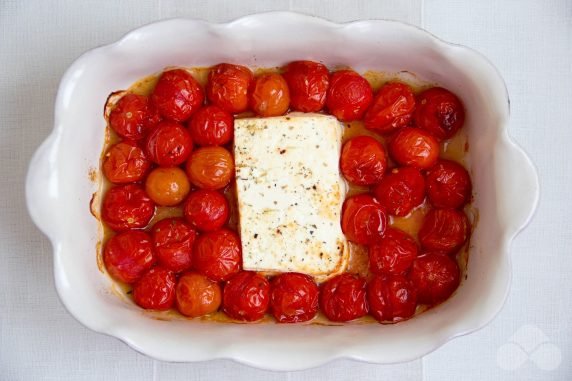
270, 95
435, 276
210, 167
125, 163
128, 255
393, 254
133, 116
197, 295
391, 298
448, 185
246, 296
414, 147
364, 220
308, 84
440, 112
392, 108
401, 191
363, 160
294, 298
127, 207
228, 87
155, 290
218, 254
177, 95
169, 144
343, 298
167, 186
349, 95
173, 241
211, 126
206, 210
444, 230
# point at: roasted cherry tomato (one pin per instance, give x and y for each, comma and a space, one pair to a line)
363, 219
444, 230
391, 298
440, 112
246, 296
392, 108
133, 116
402, 190
167, 186
125, 162
308, 84
393, 253
169, 144
206, 210
363, 160
127, 207
448, 185
177, 95
414, 147
435, 276
155, 290
228, 87
343, 298
349, 95
294, 298
211, 126
173, 241
197, 295
218, 254
210, 167
269, 95
128, 255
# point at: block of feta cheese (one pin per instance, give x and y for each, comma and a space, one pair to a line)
290, 194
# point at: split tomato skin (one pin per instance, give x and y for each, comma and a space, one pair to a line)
133, 116
169, 144
349, 95
177, 95
391, 109
439, 112
128, 255
308, 83
246, 296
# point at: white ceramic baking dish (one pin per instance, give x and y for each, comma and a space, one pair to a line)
59, 186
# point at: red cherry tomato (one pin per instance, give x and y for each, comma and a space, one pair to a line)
197, 295
169, 144
393, 253
128, 255
444, 230
269, 95
125, 162
210, 167
211, 126
363, 219
133, 116
177, 95
391, 298
435, 276
246, 296
127, 207
206, 210
218, 254
294, 298
448, 185
440, 112
343, 298
349, 95
155, 290
363, 160
173, 241
228, 87
308, 83
392, 108
402, 190
414, 147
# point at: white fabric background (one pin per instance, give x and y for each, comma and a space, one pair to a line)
529, 41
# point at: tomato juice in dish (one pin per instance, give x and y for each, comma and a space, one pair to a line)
172, 228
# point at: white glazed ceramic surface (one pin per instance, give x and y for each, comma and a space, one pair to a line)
59, 189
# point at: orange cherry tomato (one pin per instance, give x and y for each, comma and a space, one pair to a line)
206, 210
169, 144
414, 147
392, 108
177, 95
343, 298
363, 160
218, 254
440, 112
228, 86
391, 298
211, 126
349, 95
269, 95
125, 162
444, 230
127, 207
210, 167
133, 116
167, 186
402, 190
294, 298
448, 185
393, 253
435, 276
128, 255
363, 219
155, 290
308, 84
246, 296
197, 295
173, 241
